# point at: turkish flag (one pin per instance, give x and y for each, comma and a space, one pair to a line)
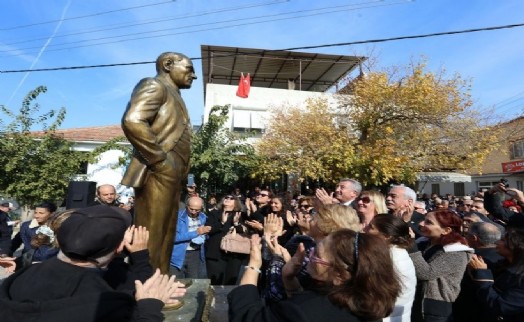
244, 86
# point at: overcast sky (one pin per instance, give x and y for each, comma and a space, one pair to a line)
36, 34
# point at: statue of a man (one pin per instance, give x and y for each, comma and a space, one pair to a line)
156, 122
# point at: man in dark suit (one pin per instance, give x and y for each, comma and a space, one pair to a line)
156, 122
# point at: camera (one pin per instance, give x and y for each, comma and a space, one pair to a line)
504, 182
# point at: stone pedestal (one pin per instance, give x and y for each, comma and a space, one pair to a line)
202, 302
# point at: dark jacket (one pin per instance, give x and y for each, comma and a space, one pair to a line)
57, 291
493, 204
5, 233
245, 305
465, 307
501, 299
218, 230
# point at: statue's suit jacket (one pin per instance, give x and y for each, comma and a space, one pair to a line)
154, 123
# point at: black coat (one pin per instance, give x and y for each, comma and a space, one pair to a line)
501, 298
245, 305
57, 291
5, 234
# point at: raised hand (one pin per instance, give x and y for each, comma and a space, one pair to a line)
160, 287
139, 239
273, 225
323, 196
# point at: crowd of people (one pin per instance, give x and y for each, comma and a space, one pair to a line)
346, 255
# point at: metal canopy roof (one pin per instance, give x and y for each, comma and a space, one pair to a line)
274, 68
443, 177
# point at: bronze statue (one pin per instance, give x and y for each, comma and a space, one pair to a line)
156, 122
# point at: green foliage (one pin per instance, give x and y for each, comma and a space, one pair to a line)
219, 158
393, 125
38, 166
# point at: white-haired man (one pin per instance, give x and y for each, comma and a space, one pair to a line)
346, 192
400, 202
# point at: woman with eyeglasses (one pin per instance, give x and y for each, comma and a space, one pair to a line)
440, 262
328, 219
369, 204
395, 232
223, 268
304, 213
502, 298
354, 281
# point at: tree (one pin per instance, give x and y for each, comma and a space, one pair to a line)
387, 127
38, 168
305, 141
219, 158
409, 120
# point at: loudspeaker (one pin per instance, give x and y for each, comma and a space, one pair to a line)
80, 194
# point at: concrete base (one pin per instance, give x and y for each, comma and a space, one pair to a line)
202, 303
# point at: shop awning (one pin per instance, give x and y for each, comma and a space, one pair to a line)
443, 177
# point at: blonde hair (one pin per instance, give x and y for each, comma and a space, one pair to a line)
378, 199
330, 218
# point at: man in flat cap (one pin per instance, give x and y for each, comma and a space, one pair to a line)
156, 123
72, 286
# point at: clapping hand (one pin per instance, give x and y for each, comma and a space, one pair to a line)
136, 238
8, 263
323, 196
273, 225
160, 287
477, 262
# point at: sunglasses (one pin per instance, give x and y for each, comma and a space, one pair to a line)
305, 206
262, 195
365, 199
229, 197
317, 260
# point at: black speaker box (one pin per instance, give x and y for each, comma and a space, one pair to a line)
80, 194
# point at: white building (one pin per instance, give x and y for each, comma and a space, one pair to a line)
278, 78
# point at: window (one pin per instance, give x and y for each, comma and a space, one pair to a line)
458, 189
517, 149
248, 122
487, 185
520, 186
435, 188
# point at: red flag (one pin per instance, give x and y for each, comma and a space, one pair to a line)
244, 86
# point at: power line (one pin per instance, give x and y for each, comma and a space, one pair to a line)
148, 22
237, 23
86, 16
294, 48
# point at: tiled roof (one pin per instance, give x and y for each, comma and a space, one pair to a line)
95, 134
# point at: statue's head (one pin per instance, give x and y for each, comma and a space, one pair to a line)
179, 68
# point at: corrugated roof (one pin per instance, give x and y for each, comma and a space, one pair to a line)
273, 68
93, 134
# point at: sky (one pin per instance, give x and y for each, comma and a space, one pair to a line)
37, 34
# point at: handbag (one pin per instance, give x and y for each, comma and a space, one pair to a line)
235, 243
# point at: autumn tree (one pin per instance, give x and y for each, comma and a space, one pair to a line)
409, 120
387, 127
38, 168
219, 158
305, 140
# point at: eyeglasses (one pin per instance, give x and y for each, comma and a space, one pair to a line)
317, 260
229, 197
365, 199
262, 195
305, 206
